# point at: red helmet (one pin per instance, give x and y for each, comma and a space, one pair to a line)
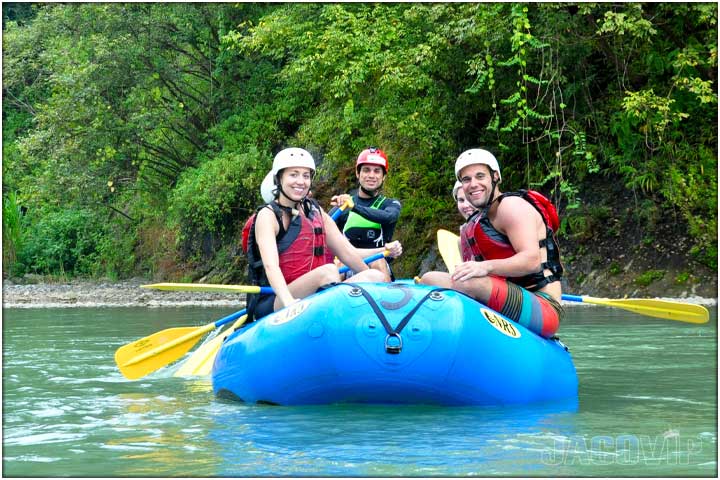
372, 156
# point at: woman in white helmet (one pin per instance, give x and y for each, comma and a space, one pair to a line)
466, 209
515, 266
291, 238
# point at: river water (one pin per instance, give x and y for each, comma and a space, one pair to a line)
647, 407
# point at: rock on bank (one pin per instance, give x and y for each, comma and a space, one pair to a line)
111, 294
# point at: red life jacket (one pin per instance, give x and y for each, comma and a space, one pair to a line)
307, 249
486, 243
301, 248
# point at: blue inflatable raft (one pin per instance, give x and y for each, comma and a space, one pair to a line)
392, 344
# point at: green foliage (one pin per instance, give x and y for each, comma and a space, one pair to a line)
359, 82
682, 278
62, 242
158, 121
12, 239
646, 278
215, 196
648, 213
18, 13
587, 223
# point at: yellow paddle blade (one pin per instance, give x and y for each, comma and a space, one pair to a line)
137, 359
201, 361
449, 249
204, 287
202, 357
679, 311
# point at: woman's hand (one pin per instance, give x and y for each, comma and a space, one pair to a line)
289, 301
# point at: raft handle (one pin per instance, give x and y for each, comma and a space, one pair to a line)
393, 349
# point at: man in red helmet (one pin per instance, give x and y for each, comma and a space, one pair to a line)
370, 224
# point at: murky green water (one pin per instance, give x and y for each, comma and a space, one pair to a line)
648, 407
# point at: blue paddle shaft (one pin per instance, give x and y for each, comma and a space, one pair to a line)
230, 318
369, 259
337, 213
572, 298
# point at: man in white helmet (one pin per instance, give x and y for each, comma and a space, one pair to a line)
516, 267
290, 236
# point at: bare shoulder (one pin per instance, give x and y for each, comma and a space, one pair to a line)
514, 205
266, 219
512, 211
265, 214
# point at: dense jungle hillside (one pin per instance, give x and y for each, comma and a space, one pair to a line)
136, 135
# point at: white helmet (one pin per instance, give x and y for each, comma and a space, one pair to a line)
289, 157
476, 156
267, 188
456, 187
292, 157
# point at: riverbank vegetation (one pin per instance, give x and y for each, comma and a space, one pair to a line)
136, 135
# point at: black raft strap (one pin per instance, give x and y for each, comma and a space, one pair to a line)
393, 332
411, 313
373, 304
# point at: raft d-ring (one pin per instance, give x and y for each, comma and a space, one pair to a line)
436, 296
355, 292
397, 347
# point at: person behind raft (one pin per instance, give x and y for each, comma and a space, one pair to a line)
512, 273
466, 209
292, 234
370, 224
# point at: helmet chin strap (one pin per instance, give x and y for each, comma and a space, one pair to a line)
491, 198
282, 192
492, 193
